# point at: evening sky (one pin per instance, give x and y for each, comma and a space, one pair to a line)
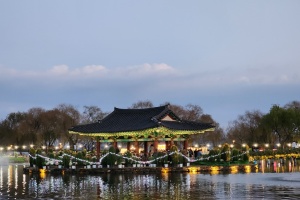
226, 56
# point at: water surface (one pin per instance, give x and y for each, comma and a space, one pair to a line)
269, 182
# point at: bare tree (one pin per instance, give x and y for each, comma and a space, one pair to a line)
70, 117
142, 104
92, 114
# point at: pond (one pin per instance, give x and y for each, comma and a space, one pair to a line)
271, 181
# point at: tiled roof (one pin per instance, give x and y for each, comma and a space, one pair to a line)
126, 120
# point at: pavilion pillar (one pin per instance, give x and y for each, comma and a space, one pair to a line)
167, 145
128, 146
185, 144
136, 146
146, 149
98, 148
155, 145
115, 144
172, 142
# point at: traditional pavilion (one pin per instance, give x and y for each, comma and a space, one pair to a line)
149, 125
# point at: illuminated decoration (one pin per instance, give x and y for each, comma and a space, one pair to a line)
50, 161
165, 170
214, 168
278, 145
247, 168
194, 170
135, 159
42, 173
233, 169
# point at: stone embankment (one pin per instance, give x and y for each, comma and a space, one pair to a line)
145, 170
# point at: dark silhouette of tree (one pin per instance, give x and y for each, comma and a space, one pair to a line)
246, 129
283, 122
92, 114
142, 104
70, 117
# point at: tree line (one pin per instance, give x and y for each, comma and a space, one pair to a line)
47, 127
279, 127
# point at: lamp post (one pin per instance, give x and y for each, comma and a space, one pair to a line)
278, 145
266, 146
1, 149
16, 149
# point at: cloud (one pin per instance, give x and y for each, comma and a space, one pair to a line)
64, 70
161, 73
91, 71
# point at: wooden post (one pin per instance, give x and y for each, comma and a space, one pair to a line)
167, 145
185, 144
128, 146
98, 147
155, 145
136, 145
146, 149
115, 144
171, 142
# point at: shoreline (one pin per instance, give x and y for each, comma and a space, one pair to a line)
144, 170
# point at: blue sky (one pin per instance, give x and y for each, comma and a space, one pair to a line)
226, 56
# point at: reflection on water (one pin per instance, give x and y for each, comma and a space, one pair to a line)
269, 183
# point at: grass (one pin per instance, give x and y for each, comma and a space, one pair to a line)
208, 163
17, 159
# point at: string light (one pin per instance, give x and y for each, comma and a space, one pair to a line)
135, 159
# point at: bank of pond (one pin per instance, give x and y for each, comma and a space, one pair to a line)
142, 169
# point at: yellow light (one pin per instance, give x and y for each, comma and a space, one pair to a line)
214, 168
278, 144
234, 169
165, 170
267, 145
42, 173
161, 147
194, 170
247, 168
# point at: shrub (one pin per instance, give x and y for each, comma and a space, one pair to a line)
234, 154
128, 162
66, 161
39, 161
225, 152
32, 161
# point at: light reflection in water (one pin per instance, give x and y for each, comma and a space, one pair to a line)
152, 186
1, 177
